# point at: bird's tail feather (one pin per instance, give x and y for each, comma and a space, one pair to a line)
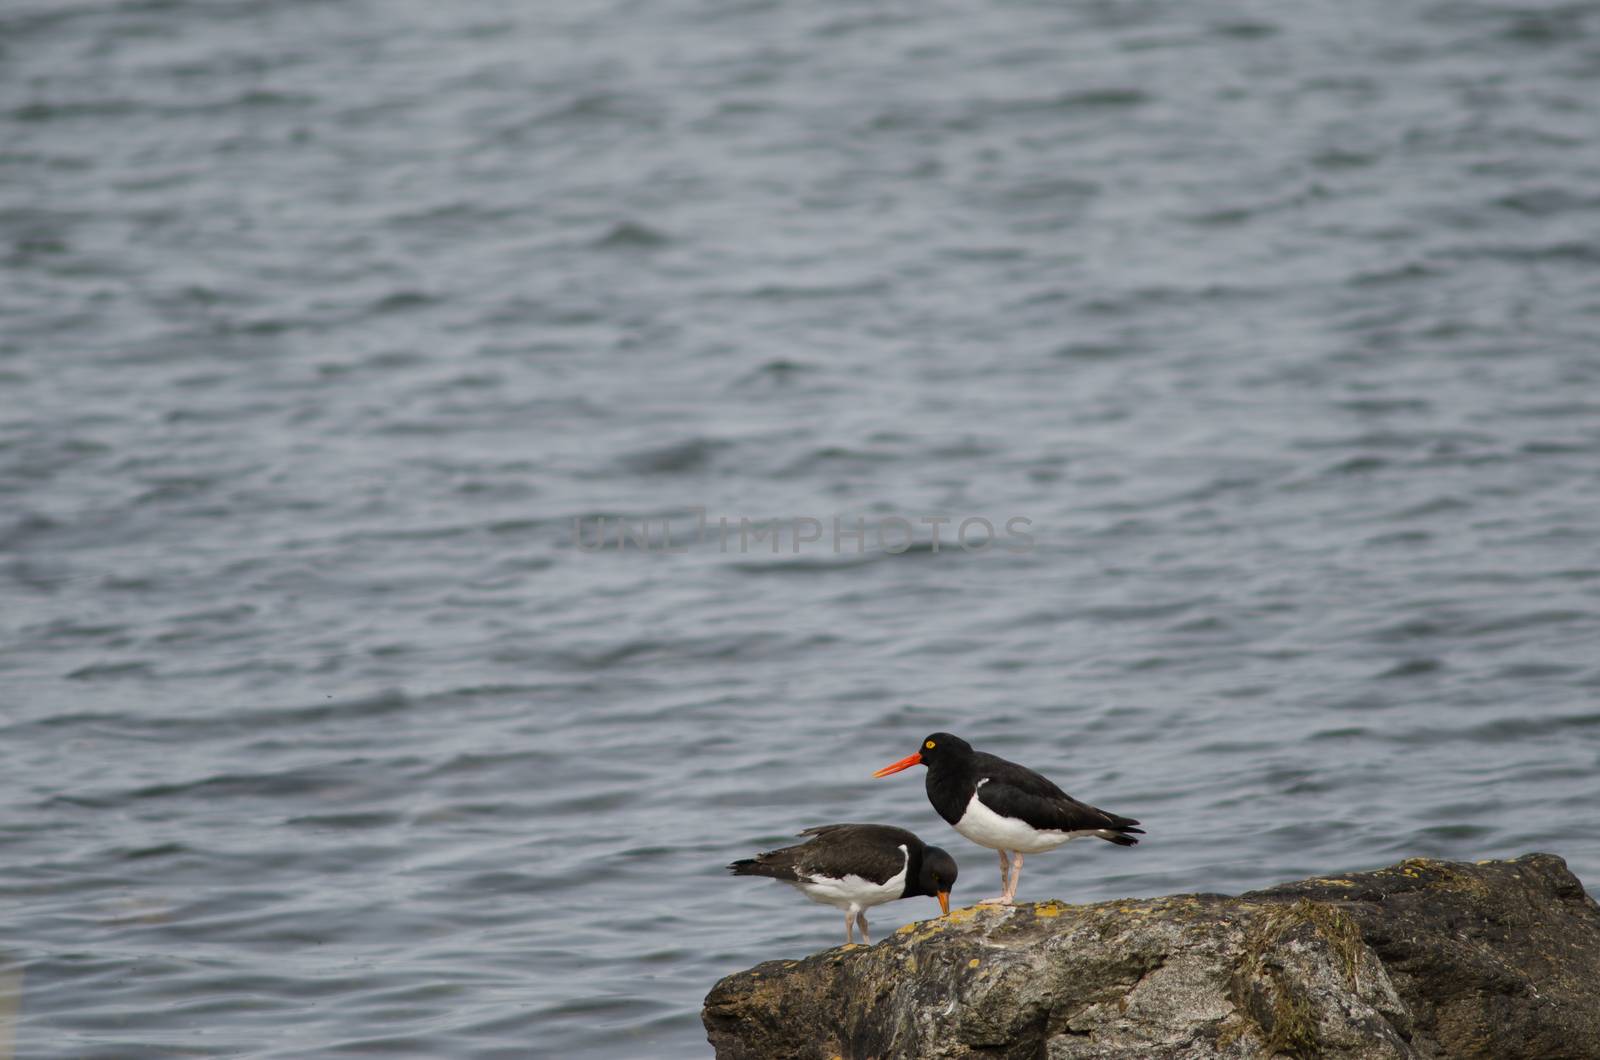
1121, 832
758, 867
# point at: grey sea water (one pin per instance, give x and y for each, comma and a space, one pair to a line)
322, 322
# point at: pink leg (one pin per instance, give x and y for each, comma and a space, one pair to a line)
1008, 878
1016, 874
861, 922
849, 927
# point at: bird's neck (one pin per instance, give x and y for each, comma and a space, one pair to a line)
949, 789
913, 873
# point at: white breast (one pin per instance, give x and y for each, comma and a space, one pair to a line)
988, 829
855, 892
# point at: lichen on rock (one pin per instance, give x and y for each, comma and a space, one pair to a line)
1424, 959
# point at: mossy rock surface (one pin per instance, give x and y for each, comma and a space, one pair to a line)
1425, 958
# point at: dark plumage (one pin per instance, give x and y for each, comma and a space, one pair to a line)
857, 866
1007, 807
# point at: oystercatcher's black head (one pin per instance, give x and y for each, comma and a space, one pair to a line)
940, 747
937, 878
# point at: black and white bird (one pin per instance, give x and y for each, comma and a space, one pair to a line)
1007, 807
857, 866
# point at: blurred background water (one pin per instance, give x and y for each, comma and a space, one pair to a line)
321, 322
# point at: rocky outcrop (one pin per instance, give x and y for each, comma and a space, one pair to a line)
1499, 959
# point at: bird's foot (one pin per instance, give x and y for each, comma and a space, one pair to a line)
1000, 900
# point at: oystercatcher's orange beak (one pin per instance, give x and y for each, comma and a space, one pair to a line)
944, 903
904, 763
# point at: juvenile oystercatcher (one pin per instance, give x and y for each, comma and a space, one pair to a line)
1007, 807
857, 866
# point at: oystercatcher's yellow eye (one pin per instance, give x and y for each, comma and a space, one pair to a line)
929, 745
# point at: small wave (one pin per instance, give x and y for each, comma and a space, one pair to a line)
308, 780
489, 762
1142, 612
777, 373
111, 671
1385, 405
631, 235
179, 726
791, 292
676, 458
805, 566
1548, 27
1455, 831
1500, 730
159, 850
1411, 272
1560, 252
1340, 158
401, 301
94, 108
1245, 30
347, 820
1108, 97
1358, 465
1546, 202
1412, 668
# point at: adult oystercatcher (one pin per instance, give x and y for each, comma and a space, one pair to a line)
857, 866
1007, 807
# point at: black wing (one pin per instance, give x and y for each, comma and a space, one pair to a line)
871, 851
1016, 791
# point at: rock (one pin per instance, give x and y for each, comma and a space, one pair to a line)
1499, 959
